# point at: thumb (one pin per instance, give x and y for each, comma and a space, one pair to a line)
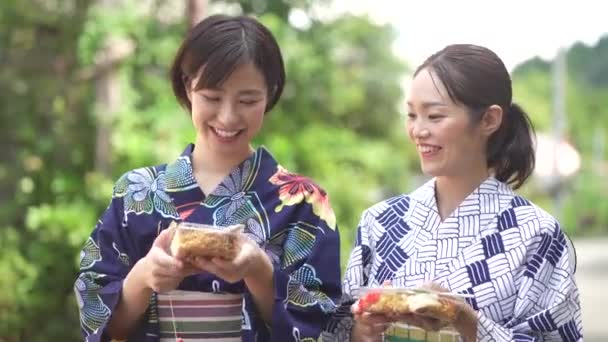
163, 240
433, 286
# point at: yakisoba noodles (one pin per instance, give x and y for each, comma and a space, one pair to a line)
199, 240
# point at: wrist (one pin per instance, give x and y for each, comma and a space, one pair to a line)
136, 278
354, 333
466, 323
261, 268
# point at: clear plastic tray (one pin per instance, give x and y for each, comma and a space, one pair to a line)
410, 291
192, 240
401, 301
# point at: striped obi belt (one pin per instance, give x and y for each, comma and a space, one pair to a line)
200, 316
399, 332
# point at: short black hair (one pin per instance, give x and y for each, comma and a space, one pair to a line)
216, 46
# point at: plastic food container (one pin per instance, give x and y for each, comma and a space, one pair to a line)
192, 240
401, 301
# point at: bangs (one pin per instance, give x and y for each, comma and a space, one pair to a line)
213, 68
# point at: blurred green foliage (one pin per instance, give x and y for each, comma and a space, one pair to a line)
338, 122
583, 211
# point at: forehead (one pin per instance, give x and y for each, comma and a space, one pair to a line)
426, 87
243, 76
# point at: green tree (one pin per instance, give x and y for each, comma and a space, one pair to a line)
337, 122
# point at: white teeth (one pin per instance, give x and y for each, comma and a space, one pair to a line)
427, 148
224, 133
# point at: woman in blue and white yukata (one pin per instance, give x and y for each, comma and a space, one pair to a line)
465, 230
284, 282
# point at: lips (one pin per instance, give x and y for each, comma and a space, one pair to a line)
225, 134
427, 149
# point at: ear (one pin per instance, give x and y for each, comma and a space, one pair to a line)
187, 85
491, 120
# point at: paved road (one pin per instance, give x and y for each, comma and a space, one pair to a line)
592, 279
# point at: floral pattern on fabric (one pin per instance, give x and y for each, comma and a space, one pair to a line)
294, 189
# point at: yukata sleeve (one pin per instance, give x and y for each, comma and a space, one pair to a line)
105, 261
357, 274
306, 278
547, 307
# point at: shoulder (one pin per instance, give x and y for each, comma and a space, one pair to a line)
538, 231
281, 177
297, 190
146, 190
138, 180
527, 216
284, 178
396, 206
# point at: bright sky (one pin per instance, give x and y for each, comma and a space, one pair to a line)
515, 29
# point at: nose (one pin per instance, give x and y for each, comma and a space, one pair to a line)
423, 133
418, 130
227, 115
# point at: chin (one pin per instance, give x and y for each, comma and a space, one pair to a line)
430, 170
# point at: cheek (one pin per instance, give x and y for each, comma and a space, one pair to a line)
409, 130
453, 133
196, 114
256, 114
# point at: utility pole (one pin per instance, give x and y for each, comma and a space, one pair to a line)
599, 142
196, 10
559, 69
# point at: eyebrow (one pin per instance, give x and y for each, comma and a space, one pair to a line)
241, 92
251, 92
429, 104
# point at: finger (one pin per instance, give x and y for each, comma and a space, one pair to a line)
372, 332
378, 329
374, 319
190, 269
163, 240
167, 264
247, 251
225, 263
426, 323
433, 286
207, 265
410, 319
200, 262
165, 284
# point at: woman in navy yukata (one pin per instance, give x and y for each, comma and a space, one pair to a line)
465, 230
283, 283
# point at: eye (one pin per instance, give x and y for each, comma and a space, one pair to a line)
411, 116
211, 98
435, 117
249, 102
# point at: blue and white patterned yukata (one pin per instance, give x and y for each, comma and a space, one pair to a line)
507, 252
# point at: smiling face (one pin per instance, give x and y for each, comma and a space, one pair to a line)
448, 143
228, 117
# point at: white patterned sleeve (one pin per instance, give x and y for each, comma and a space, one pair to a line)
356, 275
547, 306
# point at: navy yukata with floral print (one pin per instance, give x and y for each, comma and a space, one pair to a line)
287, 215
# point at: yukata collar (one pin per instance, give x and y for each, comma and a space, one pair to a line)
425, 194
179, 174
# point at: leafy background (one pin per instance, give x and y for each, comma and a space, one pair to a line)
340, 122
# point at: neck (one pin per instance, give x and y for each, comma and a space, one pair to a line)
450, 191
207, 161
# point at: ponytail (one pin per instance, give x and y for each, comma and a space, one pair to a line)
511, 150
